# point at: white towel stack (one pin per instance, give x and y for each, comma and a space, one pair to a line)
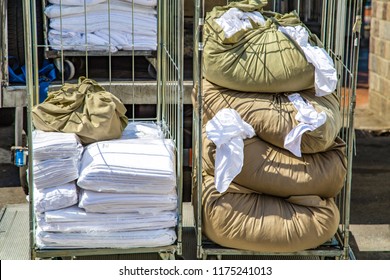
102, 25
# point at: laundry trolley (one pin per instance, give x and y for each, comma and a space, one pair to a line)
249, 202
152, 99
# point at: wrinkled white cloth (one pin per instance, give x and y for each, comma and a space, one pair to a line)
325, 72
227, 130
127, 40
235, 20
309, 119
55, 198
142, 130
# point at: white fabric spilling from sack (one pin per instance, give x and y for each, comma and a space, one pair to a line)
48, 145
325, 72
124, 203
125, 239
75, 219
102, 26
129, 166
235, 20
55, 198
227, 130
309, 119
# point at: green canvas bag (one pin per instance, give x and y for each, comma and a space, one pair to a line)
261, 59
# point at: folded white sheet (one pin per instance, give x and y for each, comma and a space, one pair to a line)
55, 172
57, 10
55, 198
48, 145
79, 42
127, 40
129, 166
75, 219
94, 2
127, 239
123, 203
97, 20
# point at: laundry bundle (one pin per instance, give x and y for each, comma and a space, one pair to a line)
56, 158
272, 161
126, 191
102, 25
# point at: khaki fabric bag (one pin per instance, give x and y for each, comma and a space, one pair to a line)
274, 171
247, 220
261, 59
85, 109
272, 115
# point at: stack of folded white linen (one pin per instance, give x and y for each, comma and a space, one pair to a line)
102, 25
127, 195
56, 158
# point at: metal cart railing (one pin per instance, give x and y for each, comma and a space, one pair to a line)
163, 97
340, 24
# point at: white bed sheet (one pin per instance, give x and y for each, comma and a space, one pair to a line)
48, 145
130, 239
57, 10
75, 219
55, 172
123, 203
94, 2
129, 166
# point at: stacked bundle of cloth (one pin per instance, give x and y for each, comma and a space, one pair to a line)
272, 161
102, 25
127, 195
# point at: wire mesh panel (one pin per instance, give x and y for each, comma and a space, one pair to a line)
337, 24
125, 59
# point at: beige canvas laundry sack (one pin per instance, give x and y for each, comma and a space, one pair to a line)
85, 109
246, 220
258, 58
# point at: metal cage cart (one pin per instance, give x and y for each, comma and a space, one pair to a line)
338, 25
116, 67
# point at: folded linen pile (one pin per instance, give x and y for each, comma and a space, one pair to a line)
127, 195
56, 158
102, 25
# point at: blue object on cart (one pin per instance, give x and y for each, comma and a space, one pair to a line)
47, 74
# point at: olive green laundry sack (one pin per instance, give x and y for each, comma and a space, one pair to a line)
85, 109
259, 58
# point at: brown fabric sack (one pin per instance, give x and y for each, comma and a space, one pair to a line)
246, 220
272, 115
274, 171
85, 109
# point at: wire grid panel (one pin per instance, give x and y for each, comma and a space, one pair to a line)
135, 52
339, 24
